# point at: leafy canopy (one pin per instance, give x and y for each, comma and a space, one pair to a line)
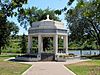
7, 8
84, 20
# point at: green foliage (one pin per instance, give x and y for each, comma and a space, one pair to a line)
23, 44
60, 11
47, 43
30, 15
13, 45
60, 42
83, 22
5, 31
70, 2
34, 42
7, 8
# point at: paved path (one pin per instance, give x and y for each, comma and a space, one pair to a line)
49, 68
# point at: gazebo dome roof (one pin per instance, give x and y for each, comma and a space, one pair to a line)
47, 26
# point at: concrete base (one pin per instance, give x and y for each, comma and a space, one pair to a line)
28, 58
61, 60
41, 57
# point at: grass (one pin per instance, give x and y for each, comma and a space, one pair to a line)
11, 68
85, 68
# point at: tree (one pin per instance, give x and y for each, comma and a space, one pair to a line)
7, 8
23, 44
84, 20
30, 15
5, 31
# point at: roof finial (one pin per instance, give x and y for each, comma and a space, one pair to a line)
48, 17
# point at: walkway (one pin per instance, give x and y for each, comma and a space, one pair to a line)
49, 68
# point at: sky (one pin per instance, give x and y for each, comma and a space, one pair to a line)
43, 4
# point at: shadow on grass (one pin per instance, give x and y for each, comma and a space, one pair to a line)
14, 60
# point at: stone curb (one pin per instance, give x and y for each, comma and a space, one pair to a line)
69, 70
27, 70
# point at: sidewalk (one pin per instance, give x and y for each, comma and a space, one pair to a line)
50, 68
47, 69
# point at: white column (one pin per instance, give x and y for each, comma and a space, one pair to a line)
66, 43
55, 43
39, 43
29, 43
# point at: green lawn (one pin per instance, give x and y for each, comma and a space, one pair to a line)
86, 68
11, 68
